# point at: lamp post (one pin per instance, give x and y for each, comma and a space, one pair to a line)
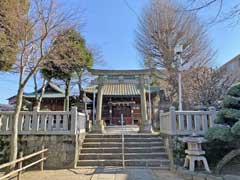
94, 102
148, 81
93, 83
178, 51
149, 99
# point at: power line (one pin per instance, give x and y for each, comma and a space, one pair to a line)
131, 9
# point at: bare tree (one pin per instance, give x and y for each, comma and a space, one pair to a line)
39, 95
164, 25
40, 25
12, 12
223, 10
204, 87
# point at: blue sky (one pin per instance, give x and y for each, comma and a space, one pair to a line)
110, 25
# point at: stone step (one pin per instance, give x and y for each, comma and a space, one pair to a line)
127, 150
119, 136
103, 136
161, 163
103, 162
119, 144
145, 150
102, 140
127, 156
156, 139
94, 156
158, 155
155, 163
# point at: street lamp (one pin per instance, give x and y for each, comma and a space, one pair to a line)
178, 51
148, 81
93, 83
149, 98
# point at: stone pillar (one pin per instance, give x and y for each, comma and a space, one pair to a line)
172, 121
145, 125
213, 115
98, 125
132, 114
74, 116
110, 113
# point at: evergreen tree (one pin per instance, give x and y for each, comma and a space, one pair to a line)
228, 118
69, 56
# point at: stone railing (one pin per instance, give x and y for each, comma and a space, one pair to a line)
44, 122
186, 122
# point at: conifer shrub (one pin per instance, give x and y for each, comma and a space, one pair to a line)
227, 127
226, 132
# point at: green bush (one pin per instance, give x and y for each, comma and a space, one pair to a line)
234, 90
216, 150
220, 133
179, 151
224, 137
228, 116
4, 151
231, 101
236, 129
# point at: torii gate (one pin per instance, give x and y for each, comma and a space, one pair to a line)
140, 81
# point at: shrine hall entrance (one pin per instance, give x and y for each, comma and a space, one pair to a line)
116, 115
128, 107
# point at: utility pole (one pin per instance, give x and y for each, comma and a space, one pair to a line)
94, 102
149, 99
178, 52
93, 83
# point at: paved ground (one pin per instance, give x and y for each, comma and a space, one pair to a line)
108, 173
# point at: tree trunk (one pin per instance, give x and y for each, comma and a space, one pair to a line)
14, 135
35, 89
67, 92
226, 159
79, 85
39, 99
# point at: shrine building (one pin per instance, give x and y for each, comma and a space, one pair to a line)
122, 92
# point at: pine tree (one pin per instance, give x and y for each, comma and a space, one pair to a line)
228, 118
69, 56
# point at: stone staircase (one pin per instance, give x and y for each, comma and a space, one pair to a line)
144, 150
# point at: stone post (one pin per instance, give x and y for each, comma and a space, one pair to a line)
35, 121
98, 125
74, 120
160, 121
213, 115
110, 112
146, 125
172, 120
132, 117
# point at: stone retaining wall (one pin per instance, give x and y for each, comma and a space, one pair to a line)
62, 152
175, 150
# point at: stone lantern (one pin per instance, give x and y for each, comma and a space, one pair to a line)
194, 152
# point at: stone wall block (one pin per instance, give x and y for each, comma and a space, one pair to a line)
61, 148
212, 177
200, 176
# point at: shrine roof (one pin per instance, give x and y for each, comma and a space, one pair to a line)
52, 90
121, 89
